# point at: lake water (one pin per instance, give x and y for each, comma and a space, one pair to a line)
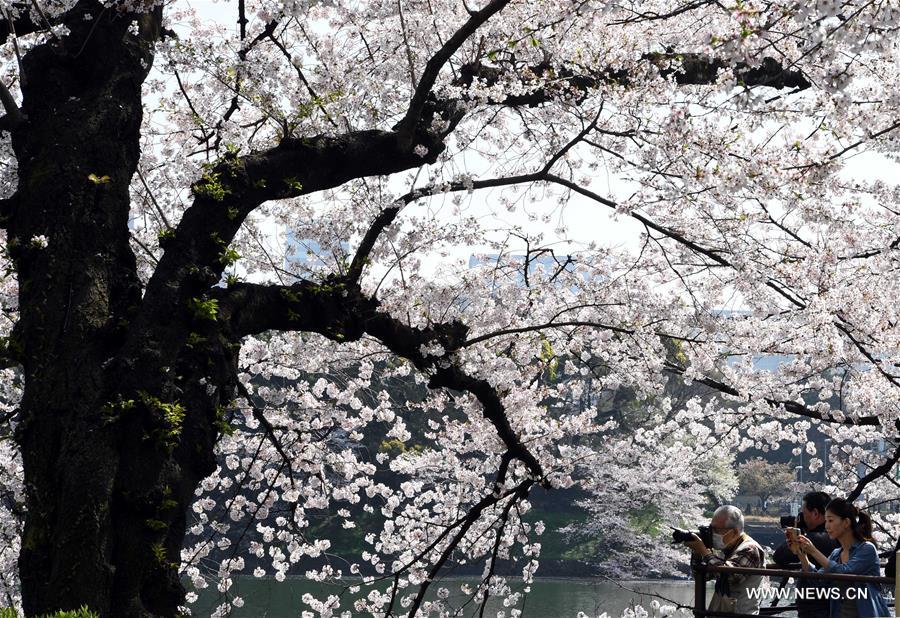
548, 598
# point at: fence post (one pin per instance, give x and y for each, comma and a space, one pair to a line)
699, 590
896, 584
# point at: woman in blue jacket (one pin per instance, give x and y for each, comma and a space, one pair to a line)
852, 528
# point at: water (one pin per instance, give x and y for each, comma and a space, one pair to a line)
548, 598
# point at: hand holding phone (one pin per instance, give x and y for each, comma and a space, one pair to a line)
804, 545
792, 535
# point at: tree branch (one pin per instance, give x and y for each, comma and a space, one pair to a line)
700, 69
19, 25
386, 217
342, 313
640, 16
193, 262
14, 117
876, 364
789, 406
874, 473
245, 49
687, 69
474, 513
268, 429
406, 127
712, 254
313, 95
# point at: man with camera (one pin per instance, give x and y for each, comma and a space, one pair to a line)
811, 523
731, 547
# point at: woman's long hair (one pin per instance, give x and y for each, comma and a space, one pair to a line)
861, 522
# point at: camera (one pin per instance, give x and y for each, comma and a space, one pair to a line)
790, 521
683, 536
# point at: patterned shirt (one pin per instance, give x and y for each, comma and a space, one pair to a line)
747, 555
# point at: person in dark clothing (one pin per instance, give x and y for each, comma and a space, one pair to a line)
812, 518
890, 569
812, 524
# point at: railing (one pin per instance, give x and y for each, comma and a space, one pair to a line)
701, 570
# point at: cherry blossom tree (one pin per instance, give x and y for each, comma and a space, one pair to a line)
183, 395
763, 479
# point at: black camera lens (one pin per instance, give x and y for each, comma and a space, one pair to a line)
681, 536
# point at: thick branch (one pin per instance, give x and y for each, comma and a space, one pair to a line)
700, 69
194, 256
413, 116
342, 313
330, 309
875, 473
408, 342
687, 69
14, 116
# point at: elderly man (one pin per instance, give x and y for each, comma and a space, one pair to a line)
732, 547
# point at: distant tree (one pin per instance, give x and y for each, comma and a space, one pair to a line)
764, 479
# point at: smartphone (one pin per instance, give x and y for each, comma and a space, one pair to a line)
792, 534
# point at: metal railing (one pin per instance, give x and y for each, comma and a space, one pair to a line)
700, 581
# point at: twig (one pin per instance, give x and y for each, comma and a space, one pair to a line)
15, 37
409, 55
267, 427
153, 199
13, 113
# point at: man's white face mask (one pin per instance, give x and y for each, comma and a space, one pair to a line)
718, 541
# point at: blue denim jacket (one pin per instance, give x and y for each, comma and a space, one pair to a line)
863, 561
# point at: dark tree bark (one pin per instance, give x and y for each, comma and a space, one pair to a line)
120, 412
105, 495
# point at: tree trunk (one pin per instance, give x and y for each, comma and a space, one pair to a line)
112, 448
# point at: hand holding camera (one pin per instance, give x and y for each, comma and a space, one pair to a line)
699, 542
703, 534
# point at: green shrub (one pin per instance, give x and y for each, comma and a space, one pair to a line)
82, 612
